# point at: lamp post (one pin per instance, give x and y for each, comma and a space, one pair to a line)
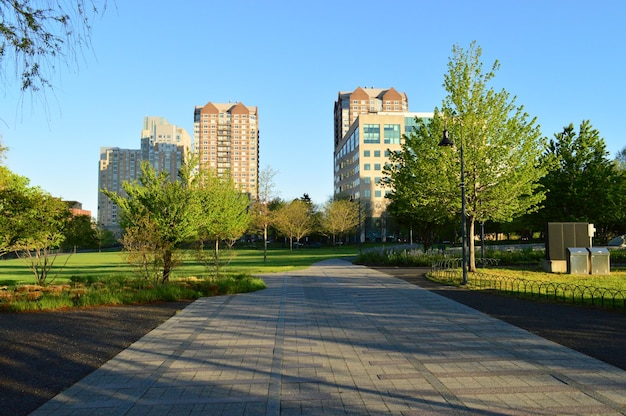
360, 231
445, 141
358, 200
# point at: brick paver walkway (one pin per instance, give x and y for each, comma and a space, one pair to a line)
339, 339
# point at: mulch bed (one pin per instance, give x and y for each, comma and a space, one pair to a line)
43, 353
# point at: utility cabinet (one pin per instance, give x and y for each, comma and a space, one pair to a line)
600, 260
578, 260
560, 236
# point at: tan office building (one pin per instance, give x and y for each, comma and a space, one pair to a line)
226, 139
369, 124
116, 167
163, 144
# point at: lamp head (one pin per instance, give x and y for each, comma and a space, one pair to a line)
445, 140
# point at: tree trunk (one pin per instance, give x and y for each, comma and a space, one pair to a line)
472, 246
217, 257
265, 243
167, 266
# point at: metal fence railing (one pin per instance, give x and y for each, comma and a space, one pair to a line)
449, 270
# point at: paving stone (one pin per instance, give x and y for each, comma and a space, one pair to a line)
339, 339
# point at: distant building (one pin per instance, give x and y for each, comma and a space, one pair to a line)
369, 124
164, 145
226, 140
350, 105
76, 208
116, 166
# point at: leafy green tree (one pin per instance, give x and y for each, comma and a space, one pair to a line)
80, 232
620, 159
104, 237
224, 213
585, 185
339, 217
44, 217
31, 223
35, 35
274, 206
421, 196
143, 248
261, 213
158, 214
293, 220
501, 146
16, 198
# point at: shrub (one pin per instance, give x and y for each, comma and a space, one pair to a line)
398, 257
116, 290
42, 304
526, 256
86, 279
416, 258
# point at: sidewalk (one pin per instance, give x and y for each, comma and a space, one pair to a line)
342, 339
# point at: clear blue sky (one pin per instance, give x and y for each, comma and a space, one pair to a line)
564, 60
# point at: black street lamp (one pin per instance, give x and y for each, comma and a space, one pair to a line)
352, 198
360, 231
445, 141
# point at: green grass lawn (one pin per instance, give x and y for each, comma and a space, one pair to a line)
244, 261
615, 280
592, 290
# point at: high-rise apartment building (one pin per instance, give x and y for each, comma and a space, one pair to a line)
350, 105
116, 166
163, 144
369, 124
226, 140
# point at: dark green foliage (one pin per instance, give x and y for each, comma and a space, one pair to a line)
80, 232
585, 186
526, 257
400, 257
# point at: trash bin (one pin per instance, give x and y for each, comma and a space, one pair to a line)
600, 260
577, 260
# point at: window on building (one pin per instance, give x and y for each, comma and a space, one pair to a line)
366, 153
367, 193
378, 193
367, 180
376, 153
377, 180
371, 133
392, 134
376, 166
366, 166
409, 125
